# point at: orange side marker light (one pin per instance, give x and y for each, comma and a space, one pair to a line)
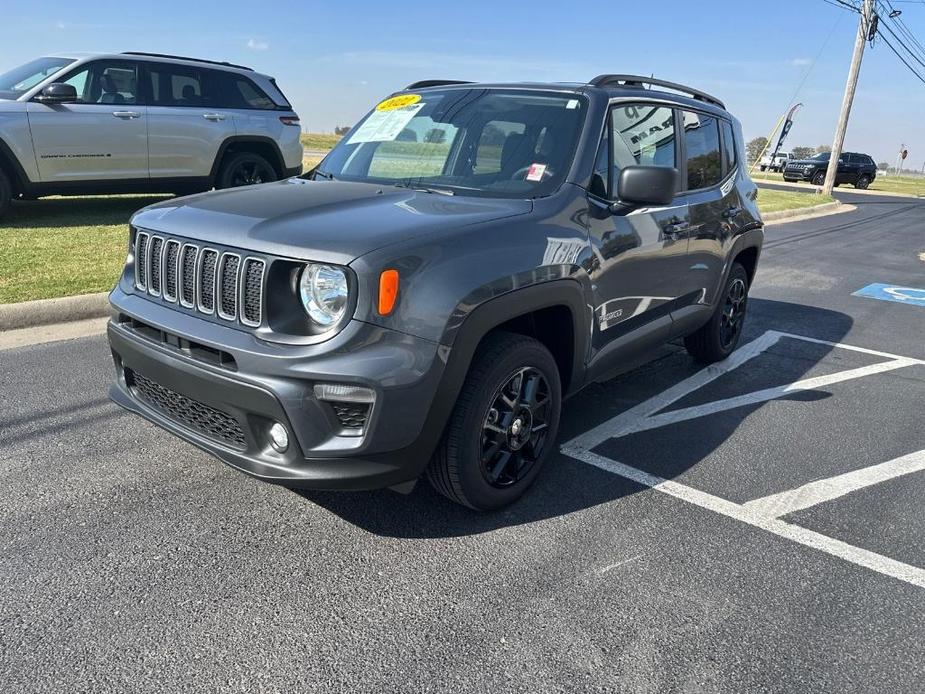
388, 291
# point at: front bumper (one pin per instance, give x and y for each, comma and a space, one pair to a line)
798, 175
227, 410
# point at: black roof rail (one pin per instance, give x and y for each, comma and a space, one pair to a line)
183, 57
423, 84
638, 81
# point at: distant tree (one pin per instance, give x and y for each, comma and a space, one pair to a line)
755, 147
823, 149
803, 152
883, 165
435, 136
342, 130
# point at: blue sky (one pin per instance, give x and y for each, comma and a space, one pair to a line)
335, 59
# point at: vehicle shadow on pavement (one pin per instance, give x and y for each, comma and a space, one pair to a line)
567, 485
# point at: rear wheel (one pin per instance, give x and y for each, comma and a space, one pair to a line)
6, 193
819, 178
503, 427
863, 182
718, 339
245, 169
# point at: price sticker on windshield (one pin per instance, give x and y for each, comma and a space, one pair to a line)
397, 102
385, 126
536, 172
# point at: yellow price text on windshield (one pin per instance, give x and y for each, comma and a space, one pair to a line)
398, 102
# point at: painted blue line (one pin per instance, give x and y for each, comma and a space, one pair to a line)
892, 292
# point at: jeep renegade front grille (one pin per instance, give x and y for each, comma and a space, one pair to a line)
219, 283
187, 412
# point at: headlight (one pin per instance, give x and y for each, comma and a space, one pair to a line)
324, 291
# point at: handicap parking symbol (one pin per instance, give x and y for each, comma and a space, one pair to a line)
891, 292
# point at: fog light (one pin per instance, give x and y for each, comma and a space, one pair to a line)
279, 438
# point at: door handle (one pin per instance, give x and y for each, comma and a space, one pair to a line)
676, 231
128, 115
732, 212
213, 116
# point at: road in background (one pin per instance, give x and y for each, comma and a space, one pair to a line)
132, 561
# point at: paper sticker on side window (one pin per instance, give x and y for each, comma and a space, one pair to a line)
385, 126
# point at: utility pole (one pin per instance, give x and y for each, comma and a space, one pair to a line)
867, 15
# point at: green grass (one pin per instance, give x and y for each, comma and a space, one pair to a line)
64, 246
906, 185
323, 141
780, 200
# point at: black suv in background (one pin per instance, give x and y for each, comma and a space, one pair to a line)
423, 300
856, 169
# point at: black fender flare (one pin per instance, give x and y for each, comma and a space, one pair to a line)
753, 238
464, 339
8, 160
279, 162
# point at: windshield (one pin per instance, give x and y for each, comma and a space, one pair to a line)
822, 156
19, 80
485, 142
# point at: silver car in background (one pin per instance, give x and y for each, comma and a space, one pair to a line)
141, 122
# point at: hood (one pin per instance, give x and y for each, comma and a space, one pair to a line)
807, 161
326, 221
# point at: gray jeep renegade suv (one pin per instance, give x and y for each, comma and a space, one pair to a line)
422, 301
141, 122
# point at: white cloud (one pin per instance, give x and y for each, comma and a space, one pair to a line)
59, 24
800, 62
257, 45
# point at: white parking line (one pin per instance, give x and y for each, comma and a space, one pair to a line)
815, 383
761, 513
808, 538
777, 505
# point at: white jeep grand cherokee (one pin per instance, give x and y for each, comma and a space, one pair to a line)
141, 122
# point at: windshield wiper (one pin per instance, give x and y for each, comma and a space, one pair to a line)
425, 189
326, 176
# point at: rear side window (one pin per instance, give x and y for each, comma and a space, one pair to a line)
176, 85
240, 92
704, 160
729, 147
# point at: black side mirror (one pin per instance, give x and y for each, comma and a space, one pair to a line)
58, 93
647, 185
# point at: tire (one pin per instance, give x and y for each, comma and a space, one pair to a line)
764, 168
245, 169
492, 449
819, 178
863, 182
6, 193
720, 336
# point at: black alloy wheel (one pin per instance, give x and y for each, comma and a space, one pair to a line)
503, 426
514, 431
733, 316
246, 169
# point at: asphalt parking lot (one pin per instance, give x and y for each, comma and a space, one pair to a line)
754, 526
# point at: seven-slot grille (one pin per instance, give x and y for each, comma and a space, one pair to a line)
204, 279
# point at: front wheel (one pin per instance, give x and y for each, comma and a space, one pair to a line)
819, 179
863, 182
720, 336
245, 169
503, 427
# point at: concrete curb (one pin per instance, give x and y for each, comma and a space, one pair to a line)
810, 188
29, 314
814, 211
